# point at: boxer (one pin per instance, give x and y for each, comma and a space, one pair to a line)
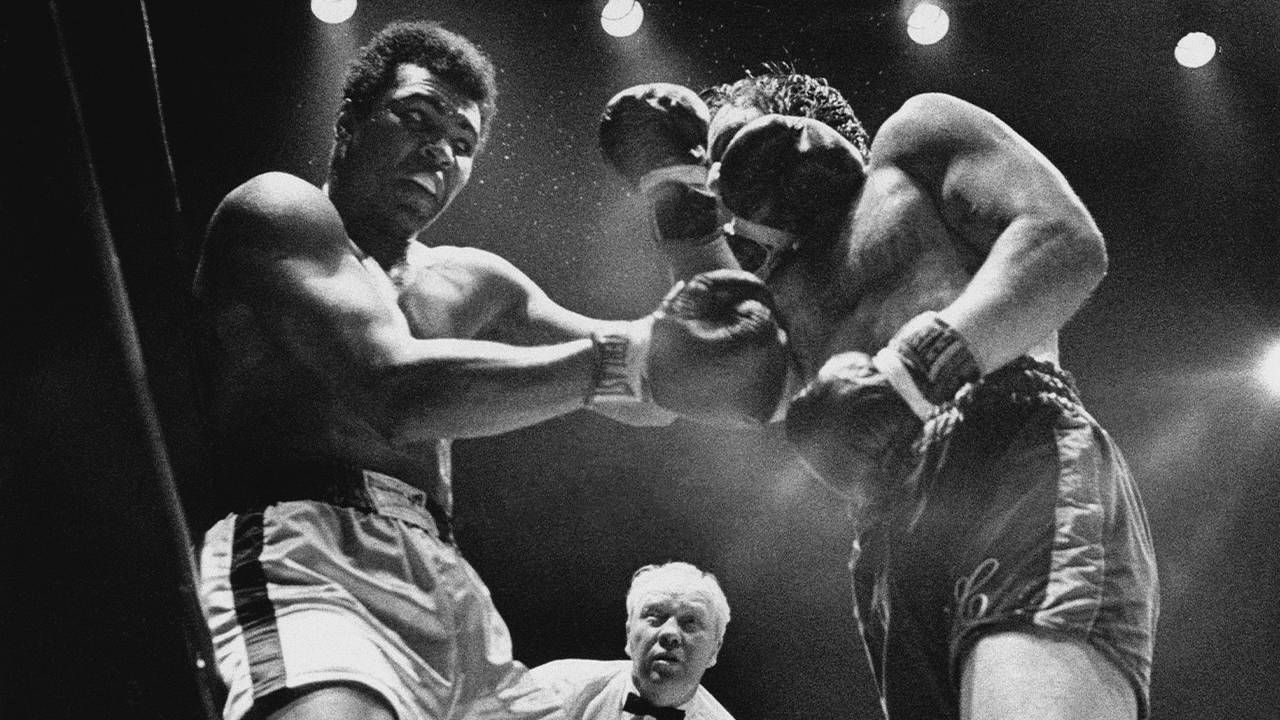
348, 344
1003, 565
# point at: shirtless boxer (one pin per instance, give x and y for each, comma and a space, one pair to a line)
346, 352
1003, 565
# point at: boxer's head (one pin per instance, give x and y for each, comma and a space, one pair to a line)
779, 90
448, 56
418, 102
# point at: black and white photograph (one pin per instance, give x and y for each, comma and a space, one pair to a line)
640, 359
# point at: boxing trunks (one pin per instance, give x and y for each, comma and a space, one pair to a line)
358, 585
1020, 515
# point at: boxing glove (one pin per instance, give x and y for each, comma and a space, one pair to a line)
794, 174
654, 135
852, 428
714, 351
855, 423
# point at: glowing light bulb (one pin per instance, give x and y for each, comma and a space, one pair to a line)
1268, 369
928, 24
1195, 50
621, 18
333, 11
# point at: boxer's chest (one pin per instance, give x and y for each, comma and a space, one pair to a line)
440, 295
893, 259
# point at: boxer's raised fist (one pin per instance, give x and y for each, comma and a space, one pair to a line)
652, 126
654, 135
714, 351
791, 173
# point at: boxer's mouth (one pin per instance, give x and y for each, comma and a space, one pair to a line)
427, 181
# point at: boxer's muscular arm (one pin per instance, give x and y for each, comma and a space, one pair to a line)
293, 265
1043, 253
518, 311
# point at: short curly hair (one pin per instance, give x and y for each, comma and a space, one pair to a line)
780, 89
445, 53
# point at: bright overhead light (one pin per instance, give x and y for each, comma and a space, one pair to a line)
1195, 50
333, 11
621, 18
1268, 369
928, 24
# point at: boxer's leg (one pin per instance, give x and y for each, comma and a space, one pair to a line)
1012, 675
323, 702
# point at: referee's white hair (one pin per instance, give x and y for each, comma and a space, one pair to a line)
681, 574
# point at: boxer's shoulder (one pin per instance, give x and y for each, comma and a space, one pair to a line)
276, 194
279, 210
929, 129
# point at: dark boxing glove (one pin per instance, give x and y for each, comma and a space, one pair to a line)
654, 135
858, 418
851, 427
783, 177
714, 351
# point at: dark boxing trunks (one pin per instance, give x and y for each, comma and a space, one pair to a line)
1021, 515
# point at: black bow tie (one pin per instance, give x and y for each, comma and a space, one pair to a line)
639, 706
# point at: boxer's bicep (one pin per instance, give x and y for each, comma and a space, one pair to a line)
1017, 211
1040, 252
495, 300
289, 260
982, 175
999, 183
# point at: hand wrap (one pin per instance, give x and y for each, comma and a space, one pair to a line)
927, 362
621, 364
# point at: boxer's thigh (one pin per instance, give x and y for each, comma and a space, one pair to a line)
1041, 675
326, 702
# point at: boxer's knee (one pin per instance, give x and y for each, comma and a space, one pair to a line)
1040, 675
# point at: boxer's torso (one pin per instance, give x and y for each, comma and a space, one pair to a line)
893, 259
269, 404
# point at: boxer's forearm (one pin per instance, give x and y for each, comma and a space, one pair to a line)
1036, 277
469, 388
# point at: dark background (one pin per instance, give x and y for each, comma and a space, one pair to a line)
1181, 169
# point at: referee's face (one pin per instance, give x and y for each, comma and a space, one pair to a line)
672, 639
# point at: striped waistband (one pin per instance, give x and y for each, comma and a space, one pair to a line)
346, 486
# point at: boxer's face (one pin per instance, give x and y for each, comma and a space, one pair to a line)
406, 162
672, 638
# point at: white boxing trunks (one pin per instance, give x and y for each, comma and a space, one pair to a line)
302, 592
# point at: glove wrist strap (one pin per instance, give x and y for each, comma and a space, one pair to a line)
621, 364
687, 174
936, 356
